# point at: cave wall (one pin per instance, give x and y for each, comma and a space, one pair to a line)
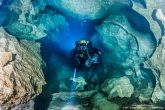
21, 74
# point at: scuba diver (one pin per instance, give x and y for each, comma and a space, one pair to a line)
85, 55
87, 58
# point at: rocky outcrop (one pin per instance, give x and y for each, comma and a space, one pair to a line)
157, 62
85, 9
121, 87
30, 20
21, 24
124, 46
21, 76
123, 38
149, 14
77, 83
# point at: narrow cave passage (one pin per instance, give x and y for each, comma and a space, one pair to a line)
59, 47
56, 47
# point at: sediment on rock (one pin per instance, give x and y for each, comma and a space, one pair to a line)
21, 75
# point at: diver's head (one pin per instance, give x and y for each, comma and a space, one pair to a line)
83, 45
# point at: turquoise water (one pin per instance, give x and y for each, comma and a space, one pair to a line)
62, 33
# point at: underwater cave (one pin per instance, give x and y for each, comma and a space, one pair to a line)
125, 77
57, 53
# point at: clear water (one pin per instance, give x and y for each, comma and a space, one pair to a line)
65, 42
72, 88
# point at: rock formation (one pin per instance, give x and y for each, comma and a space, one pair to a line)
21, 76
156, 63
121, 87
84, 9
27, 20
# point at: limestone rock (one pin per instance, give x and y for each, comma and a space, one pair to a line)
158, 94
121, 87
149, 14
21, 76
156, 63
85, 9
124, 46
79, 8
50, 22
29, 20
162, 4
20, 26
79, 83
76, 83
5, 57
160, 16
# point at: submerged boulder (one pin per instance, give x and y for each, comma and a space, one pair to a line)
74, 83
21, 76
124, 46
118, 87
